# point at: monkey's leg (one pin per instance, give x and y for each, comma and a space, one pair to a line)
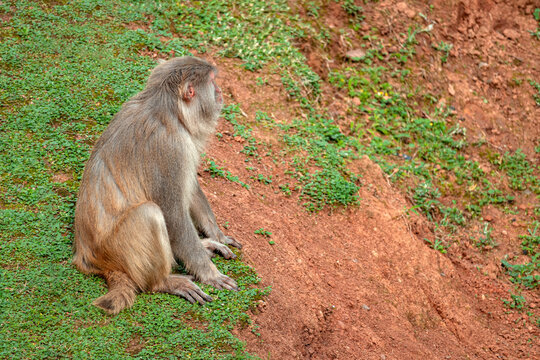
205, 221
138, 257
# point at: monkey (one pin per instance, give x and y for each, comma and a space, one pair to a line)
140, 206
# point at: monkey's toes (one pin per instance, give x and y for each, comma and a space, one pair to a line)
193, 295
224, 282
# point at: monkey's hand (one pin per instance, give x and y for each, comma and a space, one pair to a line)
213, 247
222, 282
228, 240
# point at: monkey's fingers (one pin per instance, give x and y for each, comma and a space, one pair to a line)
229, 240
226, 252
216, 247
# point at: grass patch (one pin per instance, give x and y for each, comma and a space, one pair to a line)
485, 241
520, 172
527, 274
66, 69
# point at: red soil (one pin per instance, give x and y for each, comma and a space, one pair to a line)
361, 283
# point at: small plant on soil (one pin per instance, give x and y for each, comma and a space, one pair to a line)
264, 119
485, 241
285, 188
531, 242
216, 171
536, 96
261, 81
517, 302
354, 11
263, 179
524, 274
520, 171
313, 9
444, 48
263, 232
536, 15
438, 245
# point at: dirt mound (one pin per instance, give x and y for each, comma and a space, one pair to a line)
361, 283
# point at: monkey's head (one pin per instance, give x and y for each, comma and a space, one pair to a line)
191, 82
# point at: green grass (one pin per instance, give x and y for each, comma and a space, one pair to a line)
521, 173
531, 241
266, 180
231, 113
65, 71
438, 245
526, 274
516, 302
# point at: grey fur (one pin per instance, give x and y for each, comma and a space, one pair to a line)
147, 160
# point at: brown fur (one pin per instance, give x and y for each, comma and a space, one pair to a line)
140, 202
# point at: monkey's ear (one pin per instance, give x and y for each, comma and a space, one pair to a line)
189, 94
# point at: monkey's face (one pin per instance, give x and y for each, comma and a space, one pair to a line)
217, 91
211, 99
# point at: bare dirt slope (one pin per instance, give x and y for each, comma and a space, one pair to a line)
361, 283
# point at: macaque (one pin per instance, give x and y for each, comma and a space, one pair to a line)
140, 206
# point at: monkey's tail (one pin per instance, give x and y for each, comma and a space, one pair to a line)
121, 295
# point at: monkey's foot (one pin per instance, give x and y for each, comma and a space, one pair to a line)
115, 301
121, 295
222, 282
213, 247
181, 285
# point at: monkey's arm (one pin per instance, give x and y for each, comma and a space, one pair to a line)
170, 177
205, 220
187, 247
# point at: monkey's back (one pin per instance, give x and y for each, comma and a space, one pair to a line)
111, 182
